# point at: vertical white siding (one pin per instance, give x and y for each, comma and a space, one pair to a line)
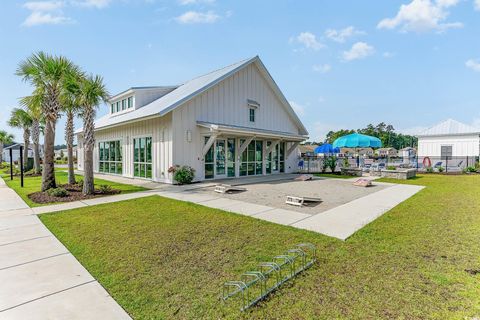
226, 103
160, 129
462, 145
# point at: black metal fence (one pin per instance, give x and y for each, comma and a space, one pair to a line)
314, 164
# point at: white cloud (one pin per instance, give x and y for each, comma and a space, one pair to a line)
422, 16
473, 64
298, 108
321, 68
477, 5
187, 2
99, 4
320, 130
38, 18
308, 40
388, 54
192, 17
343, 34
45, 12
413, 130
43, 5
359, 50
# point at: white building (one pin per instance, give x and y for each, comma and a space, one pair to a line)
449, 138
232, 122
15, 152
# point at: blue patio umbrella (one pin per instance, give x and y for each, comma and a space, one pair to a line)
326, 148
357, 140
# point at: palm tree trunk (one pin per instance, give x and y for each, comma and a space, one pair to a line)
48, 173
69, 127
36, 146
88, 145
26, 143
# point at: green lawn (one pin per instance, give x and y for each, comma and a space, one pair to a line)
33, 184
164, 259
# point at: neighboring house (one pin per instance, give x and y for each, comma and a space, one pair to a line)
231, 122
306, 150
59, 152
387, 152
15, 147
356, 151
449, 138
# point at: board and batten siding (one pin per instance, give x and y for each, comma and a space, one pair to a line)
462, 145
226, 103
160, 129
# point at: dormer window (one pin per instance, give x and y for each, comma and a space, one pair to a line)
121, 105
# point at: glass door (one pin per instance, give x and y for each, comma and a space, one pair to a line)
220, 158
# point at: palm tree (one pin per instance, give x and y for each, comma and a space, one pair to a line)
5, 138
20, 119
93, 92
71, 106
33, 105
47, 74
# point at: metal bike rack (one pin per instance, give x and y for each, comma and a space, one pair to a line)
254, 286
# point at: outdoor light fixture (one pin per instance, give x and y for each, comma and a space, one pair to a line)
189, 136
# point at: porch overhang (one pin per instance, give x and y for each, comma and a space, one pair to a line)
231, 130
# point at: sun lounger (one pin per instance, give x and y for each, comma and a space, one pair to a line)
304, 177
362, 183
226, 188
301, 201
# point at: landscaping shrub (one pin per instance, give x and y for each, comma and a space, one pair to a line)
391, 168
429, 169
105, 189
346, 164
184, 175
470, 169
331, 162
57, 192
441, 169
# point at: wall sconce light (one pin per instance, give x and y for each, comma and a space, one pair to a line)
189, 136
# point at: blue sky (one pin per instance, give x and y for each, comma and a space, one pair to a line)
341, 64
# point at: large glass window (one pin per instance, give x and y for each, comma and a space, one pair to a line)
251, 160
209, 162
110, 157
142, 157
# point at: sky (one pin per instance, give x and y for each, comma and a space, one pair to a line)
341, 64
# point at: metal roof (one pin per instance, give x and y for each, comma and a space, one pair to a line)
449, 127
189, 90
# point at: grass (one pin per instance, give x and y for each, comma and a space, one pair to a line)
33, 184
332, 175
163, 259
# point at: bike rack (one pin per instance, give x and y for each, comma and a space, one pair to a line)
254, 286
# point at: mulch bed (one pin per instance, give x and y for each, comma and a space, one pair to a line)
74, 194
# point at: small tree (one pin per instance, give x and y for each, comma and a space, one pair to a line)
5, 138
19, 118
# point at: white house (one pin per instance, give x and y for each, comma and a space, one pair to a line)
449, 138
15, 147
232, 122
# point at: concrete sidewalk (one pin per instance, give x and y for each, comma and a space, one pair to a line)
39, 278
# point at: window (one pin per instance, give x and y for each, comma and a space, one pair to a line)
252, 114
446, 151
142, 157
110, 157
130, 102
209, 162
118, 106
124, 104
252, 158
112, 109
